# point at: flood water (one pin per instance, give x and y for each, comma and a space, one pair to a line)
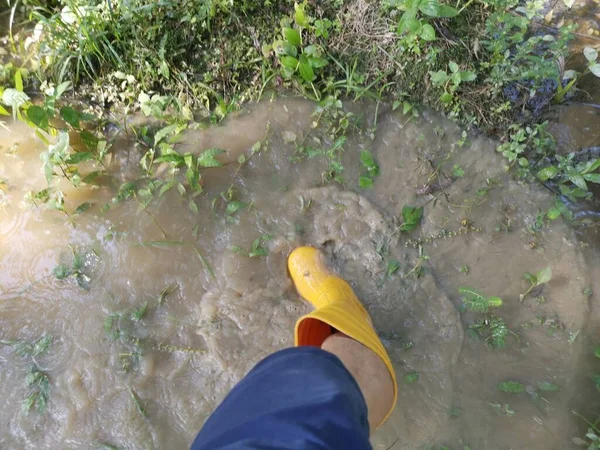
147, 378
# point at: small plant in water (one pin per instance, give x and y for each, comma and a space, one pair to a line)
540, 278
412, 217
478, 302
75, 269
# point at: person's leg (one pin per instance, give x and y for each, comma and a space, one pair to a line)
368, 370
300, 398
326, 394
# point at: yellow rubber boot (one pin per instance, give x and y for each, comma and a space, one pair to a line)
336, 306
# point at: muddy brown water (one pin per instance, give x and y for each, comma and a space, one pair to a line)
208, 331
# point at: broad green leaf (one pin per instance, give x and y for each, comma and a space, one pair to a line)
453, 67
595, 69
553, 213
544, 275
494, 302
300, 15
468, 76
164, 132
407, 21
512, 387
366, 158
234, 206
170, 158
411, 377
365, 182
317, 62
547, 173
38, 116
438, 78
3, 111
61, 271
70, 116
597, 352
292, 36
546, 386
306, 70
446, 98
590, 54
289, 61
392, 267
591, 166
79, 157
434, 8
89, 139
427, 32
412, 217
82, 208
592, 177
458, 171
207, 158
578, 181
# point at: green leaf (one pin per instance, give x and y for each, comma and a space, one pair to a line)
438, 78
19, 80
70, 116
434, 8
318, 63
476, 301
62, 88
82, 208
553, 213
468, 76
41, 345
392, 267
453, 67
512, 387
427, 32
365, 182
544, 275
14, 99
547, 173
458, 171
164, 132
412, 217
292, 36
305, 69
545, 386
591, 166
38, 116
592, 177
595, 69
207, 158
411, 377
578, 181
139, 312
446, 98
3, 111
590, 54
366, 158
408, 21
234, 206
61, 271
597, 352
289, 61
79, 157
300, 15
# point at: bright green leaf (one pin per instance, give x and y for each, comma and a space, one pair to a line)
453, 67
591, 54
82, 208
547, 173
365, 182
428, 33
79, 157
207, 158
595, 69
38, 116
292, 36
512, 387
289, 61
306, 71
70, 116
544, 275
434, 8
